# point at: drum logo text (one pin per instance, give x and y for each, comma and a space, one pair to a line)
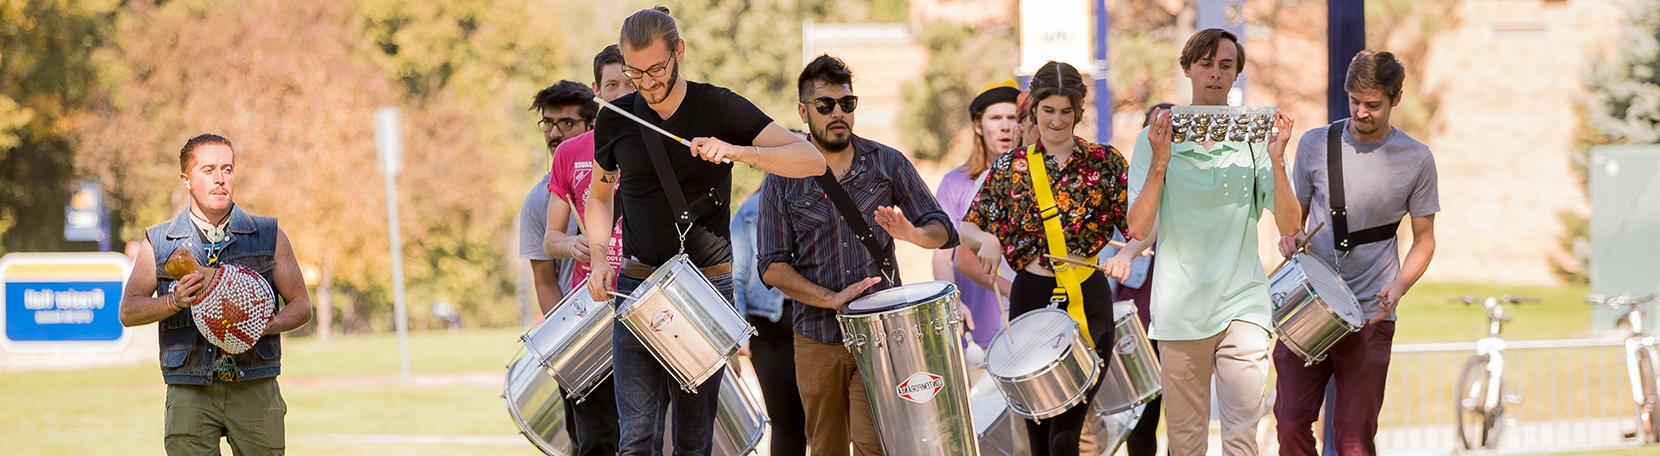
661, 320
920, 387
1126, 345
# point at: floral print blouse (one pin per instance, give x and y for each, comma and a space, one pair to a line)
1091, 190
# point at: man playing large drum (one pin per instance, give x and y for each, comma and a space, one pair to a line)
1210, 300
1080, 189
1386, 175
724, 128
820, 261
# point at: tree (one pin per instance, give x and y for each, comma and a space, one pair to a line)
299, 116
960, 61
47, 75
1624, 108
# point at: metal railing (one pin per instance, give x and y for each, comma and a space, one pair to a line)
1575, 395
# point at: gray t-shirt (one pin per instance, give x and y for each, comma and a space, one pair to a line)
1382, 183
533, 222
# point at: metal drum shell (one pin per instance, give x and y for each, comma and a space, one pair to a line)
534, 402
930, 342
740, 419
1313, 308
1062, 383
685, 322
1132, 377
573, 342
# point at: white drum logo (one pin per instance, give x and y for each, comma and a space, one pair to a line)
661, 320
920, 387
1126, 345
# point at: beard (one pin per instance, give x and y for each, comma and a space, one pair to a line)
668, 87
833, 142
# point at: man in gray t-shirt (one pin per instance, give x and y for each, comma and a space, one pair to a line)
1387, 176
549, 276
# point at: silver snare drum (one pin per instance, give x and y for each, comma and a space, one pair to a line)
685, 322
1132, 376
1042, 364
907, 342
534, 402
1313, 307
573, 342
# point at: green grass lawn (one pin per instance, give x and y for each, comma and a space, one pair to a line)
344, 390
342, 387
1426, 316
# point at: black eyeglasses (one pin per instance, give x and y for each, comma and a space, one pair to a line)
655, 71
825, 104
547, 124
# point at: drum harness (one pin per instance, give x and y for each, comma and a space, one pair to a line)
1068, 278
1342, 239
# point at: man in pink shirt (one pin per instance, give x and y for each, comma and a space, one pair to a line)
573, 163
593, 425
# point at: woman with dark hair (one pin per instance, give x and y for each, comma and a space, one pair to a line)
1087, 185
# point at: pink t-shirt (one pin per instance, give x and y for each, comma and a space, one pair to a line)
573, 166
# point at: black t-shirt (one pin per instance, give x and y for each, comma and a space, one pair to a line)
648, 228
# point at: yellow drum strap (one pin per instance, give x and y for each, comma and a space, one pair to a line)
1069, 278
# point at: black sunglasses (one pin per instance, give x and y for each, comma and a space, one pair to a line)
825, 104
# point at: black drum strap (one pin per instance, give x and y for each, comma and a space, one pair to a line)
1342, 238
861, 229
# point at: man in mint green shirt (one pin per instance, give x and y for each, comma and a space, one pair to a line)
1210, 304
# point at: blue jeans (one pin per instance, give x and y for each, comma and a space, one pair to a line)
645, 391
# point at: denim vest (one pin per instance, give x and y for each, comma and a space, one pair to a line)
186, 357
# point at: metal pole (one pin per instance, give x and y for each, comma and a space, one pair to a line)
388, 144
1103, 92
401, 311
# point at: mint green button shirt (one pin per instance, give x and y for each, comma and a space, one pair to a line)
1208, 272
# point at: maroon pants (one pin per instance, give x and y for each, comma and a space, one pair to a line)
1360, 363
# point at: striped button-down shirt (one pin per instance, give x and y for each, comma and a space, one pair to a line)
800, 226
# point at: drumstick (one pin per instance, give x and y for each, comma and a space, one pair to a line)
631, 116
1301, 245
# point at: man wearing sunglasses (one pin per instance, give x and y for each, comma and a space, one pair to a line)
723, 128
818, 260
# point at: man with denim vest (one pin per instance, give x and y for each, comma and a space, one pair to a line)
211, 394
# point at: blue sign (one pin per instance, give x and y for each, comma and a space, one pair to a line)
62, 301
58, 311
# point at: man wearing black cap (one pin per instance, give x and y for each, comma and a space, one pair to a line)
996, 130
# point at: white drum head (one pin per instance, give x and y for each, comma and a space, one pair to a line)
898, 297
1122, 309
1331, 289
1039, 338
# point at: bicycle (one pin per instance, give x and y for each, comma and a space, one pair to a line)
1641, 363
1482, 395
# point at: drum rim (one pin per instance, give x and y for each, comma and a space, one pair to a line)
1002, 335
1302, 261
947, 289
518, 416
1074, 401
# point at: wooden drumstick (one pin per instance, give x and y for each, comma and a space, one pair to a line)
630, 116
1300, 245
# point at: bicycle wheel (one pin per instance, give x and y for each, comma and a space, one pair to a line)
1648, 412
1473, 419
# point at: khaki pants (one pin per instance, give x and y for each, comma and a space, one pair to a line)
833, 397
1238, 358
249, 414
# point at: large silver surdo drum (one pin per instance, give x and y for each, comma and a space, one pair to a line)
1132, 376
907, 341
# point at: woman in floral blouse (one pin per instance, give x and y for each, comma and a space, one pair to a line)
1003, 223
